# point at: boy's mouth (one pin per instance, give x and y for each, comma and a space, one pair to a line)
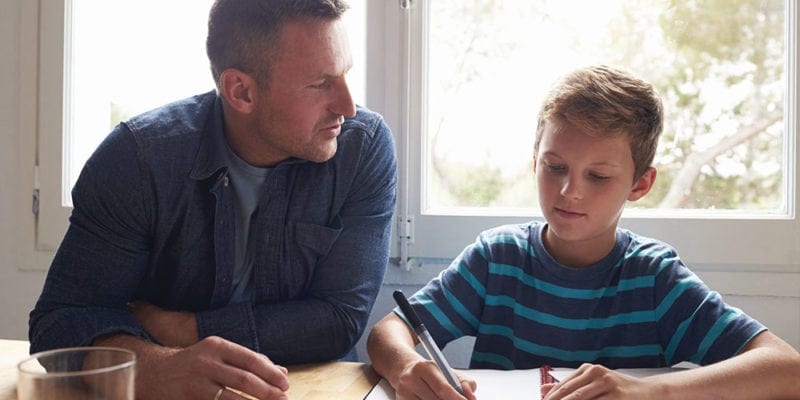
564, 213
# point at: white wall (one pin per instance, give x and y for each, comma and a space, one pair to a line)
773, 297
18, 289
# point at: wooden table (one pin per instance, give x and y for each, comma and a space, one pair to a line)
328, 381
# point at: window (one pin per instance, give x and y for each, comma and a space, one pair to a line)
453, 183
112, 68
111, 77
718, 65
479, 69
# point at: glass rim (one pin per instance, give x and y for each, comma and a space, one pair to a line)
21, 369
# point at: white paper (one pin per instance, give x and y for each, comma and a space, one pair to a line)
511, 385
492, 385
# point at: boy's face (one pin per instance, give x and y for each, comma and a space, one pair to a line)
583, 183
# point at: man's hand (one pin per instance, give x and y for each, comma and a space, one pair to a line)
424, 380
172, 328
597, 382
201, 370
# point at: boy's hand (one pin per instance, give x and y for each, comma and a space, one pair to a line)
423, 380
596, 382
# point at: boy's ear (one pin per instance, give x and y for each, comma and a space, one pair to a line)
643, 185
238, 89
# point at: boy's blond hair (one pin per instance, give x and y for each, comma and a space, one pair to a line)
605, 101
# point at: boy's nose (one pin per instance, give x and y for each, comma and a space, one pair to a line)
571, 189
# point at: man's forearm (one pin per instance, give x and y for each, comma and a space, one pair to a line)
172, 328
144, 349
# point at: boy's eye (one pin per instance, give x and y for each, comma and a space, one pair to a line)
598, 177
556, 167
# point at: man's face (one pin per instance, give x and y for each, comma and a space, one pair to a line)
300, 111
583, 183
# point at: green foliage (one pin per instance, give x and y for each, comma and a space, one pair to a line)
718, 65
471, 186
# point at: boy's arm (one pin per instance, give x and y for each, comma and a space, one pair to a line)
767, 368
391, 347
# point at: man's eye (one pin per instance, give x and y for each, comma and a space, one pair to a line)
321, 85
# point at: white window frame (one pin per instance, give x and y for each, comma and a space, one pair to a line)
395, 40
41, 221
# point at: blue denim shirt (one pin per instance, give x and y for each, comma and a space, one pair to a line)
153, 221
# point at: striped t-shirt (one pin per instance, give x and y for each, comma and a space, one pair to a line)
639, 307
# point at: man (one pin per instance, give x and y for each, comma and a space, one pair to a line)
224, 233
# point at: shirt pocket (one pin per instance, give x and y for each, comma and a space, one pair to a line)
317, 239
311, 244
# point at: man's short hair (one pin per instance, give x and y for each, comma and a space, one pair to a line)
605, 101
243, 34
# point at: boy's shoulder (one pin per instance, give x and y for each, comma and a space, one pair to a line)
641, 242
522, 231
647, 255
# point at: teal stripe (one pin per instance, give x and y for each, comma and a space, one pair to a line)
677, 337
570, 355
461, 310
493, 358
666, 262
635, 317
669, 300
474, 282
635, 253
570, 293
654, 252
713, 334
439, 315
512, 239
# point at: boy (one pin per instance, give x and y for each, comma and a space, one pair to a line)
576, 291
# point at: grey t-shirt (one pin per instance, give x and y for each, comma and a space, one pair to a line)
247, 182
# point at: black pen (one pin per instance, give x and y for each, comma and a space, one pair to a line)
427, 340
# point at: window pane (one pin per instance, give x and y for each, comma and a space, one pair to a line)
719, 67
126, 57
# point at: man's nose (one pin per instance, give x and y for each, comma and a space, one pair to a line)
343, 102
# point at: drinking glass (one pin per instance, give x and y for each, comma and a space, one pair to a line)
85, 373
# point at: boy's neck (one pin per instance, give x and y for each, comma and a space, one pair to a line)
578, 254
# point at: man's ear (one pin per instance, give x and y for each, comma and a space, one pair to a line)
238, 89
643, 185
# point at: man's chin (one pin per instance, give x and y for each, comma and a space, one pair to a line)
322, 155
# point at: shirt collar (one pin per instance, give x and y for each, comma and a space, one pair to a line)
210, 157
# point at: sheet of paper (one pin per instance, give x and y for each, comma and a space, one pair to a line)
511, 385
492, 384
